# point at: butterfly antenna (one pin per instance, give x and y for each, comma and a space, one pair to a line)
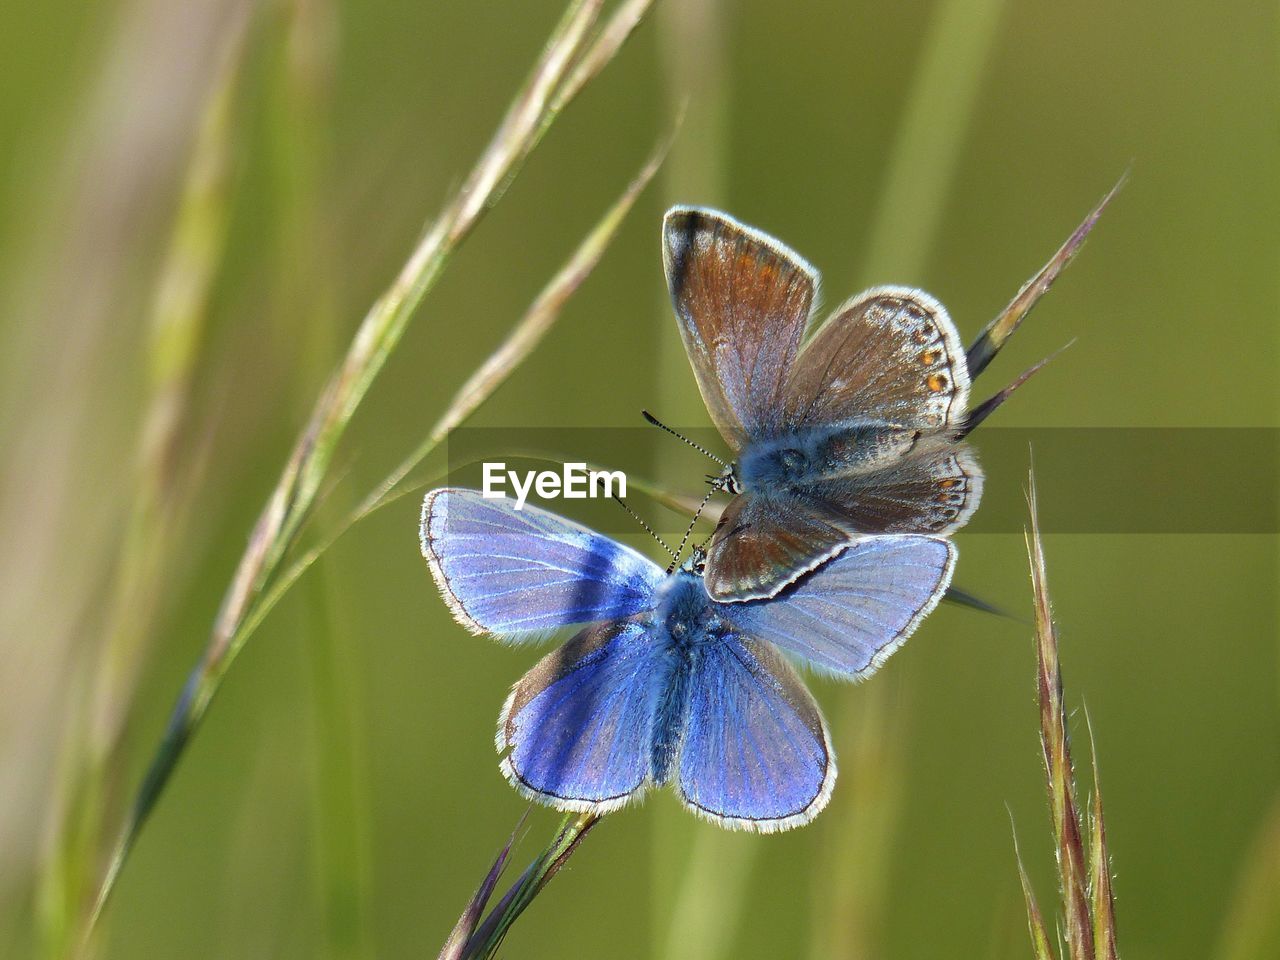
649, 530
689, 530
989, 406
697, 446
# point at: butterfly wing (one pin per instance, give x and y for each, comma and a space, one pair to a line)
890, 355
888, 365
742, 301
931, 490
756, 754
763, 542
579, 724
850, 614
522, 572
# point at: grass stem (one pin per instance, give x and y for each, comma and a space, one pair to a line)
530, 115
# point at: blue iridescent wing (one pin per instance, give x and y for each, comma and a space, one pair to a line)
742, 300
579, 725
847, 616
521, 572
756, 754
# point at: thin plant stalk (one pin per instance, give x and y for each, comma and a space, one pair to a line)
552, 298
920, 170
303, 302
1084, 869
1100, 887
526, 334
693, 919
1041, 945
178, 313
340, 816
996, 333
849, 903
475, 939
550, 87
938, 112
1251, 928
520, 342
1064, 812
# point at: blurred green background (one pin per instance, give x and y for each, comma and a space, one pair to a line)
343, 798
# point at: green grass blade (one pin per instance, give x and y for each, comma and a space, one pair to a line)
695, 49
176, 323
937, 114
339, 774
489, 935
919, 174
1041, 945
853, 865
1251, 925
1100, 890
377, 336
528, 331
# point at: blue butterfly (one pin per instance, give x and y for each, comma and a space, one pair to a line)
665, 685
855, 432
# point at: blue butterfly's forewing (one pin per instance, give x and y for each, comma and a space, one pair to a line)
851, 613
755, 754
522, 572
579, 725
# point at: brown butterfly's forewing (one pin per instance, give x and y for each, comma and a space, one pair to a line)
742, 301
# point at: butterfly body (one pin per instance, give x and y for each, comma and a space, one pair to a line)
804, 457
664, 685
680, 628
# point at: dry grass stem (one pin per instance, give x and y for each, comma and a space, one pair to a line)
1084, 876
88, 786
309, 466
528, 331
473, 939
1041, 946
996, 333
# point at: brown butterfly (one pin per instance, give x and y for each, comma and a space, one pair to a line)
855, 431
